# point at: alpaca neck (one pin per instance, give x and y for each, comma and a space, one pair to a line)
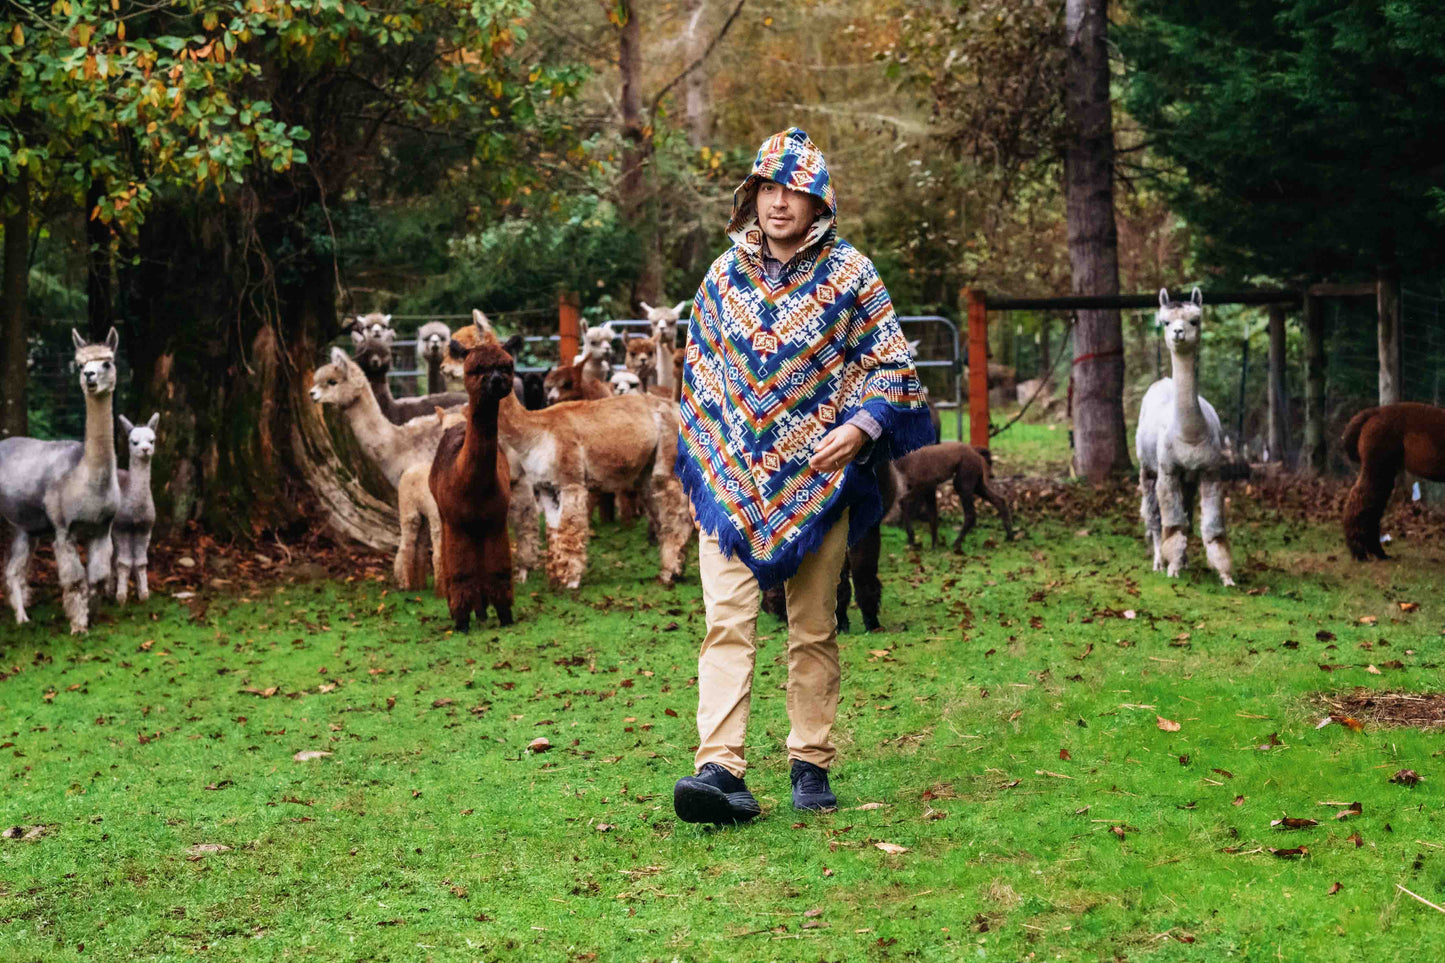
368, 424
1187, 413
435, 380
664, 364
480, 447
139, 478
99, 456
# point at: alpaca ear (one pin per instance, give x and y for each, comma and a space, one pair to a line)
155, 420
79, 341
126, 426
112, 340
677, 308
339, 358
386, 319
646, 308
1164, 297
357, 336
1197, 297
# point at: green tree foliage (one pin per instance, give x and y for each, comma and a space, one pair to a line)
1302, 135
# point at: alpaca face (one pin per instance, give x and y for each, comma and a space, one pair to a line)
96, 363
141, 438
562, 383
639, 354
462, 341
372, 327
597, 342
339, 383
374, 357
626, 383
1180, 321
664, 322
488, 372
432, 340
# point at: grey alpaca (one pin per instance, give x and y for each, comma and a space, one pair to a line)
136, 516
432, 339
372, 337
69, 488
1181, 452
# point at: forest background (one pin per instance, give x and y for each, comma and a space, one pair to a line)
226, 181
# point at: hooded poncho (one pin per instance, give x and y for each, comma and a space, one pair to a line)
773, 366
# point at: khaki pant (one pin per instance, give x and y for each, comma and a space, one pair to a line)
725, 664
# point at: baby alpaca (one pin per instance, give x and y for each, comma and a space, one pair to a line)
919, 473
596, 354
1180, 449
572, 383
131, 531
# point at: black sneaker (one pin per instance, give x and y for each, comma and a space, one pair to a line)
714, 795
810, 788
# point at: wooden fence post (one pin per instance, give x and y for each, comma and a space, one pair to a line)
1314, 440
1279, 433
977, 302
569, 327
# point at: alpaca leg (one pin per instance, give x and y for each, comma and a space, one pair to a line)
930, 504
140, 551
438, 558
100, 554
73, 587
1212, 528
1365, 507
16, 568
863, 565
970, 519
522, 522
1174, 520
567, 543
667, 508
117, 584
120, 582
908, 507
405, 561
1000, 504
1149, 511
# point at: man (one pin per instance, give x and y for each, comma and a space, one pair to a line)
795, 366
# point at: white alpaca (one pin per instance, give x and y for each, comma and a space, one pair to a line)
1180, 449
432, 339
136, 516
664, 334
597, 352
67, 487
626, 383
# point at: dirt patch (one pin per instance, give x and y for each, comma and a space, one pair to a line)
1419, 710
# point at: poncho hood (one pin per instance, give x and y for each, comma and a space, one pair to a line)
774, 364
792, 159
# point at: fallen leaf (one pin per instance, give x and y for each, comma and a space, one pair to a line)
539, 744
1369, 619
1239, 800
1406, 777
1117, 831
1291, 853
27, 833
605, 827
1224, 772
1291, 822
1372, 670
1354, 810
1064, 755
1130, 614
1356, 839
892, 849
306, 755
1167, 725
442, 703
1335, 889
868, 806
813, 913
1405, 607
1087, 649
1056, 775
202, 849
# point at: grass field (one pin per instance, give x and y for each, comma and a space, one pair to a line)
1012, 728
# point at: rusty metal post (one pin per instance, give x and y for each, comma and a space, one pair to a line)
977, 302
569, 327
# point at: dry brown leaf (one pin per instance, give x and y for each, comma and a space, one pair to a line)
1369, 619
1291, 822
1117, 831
1168, 725
867, 806
1406, 777
892, 849
204, 849
813, 913
306, 755
1406, 607
605, 827
1335, 889
1291, 853
539, 744
1064, 755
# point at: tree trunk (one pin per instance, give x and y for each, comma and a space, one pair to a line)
99, 286
698, 110
1101, 448
13, 345
636, 149
1387, 301
1278, 436
1314, 440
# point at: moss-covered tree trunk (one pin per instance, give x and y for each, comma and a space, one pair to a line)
13, 370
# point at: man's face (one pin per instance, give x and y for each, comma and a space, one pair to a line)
785, 214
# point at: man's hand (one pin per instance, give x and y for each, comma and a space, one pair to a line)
837, 448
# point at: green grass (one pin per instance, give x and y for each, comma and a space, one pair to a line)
430, 833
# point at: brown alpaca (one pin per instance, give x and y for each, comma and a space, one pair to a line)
573, 384
470, 480
640, 360
1384, 440
625, 443
919, 473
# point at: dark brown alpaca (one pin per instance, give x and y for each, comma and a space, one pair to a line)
919, 473
570, 384
471, 481
1384, 440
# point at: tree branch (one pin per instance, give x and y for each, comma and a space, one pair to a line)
727, 25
